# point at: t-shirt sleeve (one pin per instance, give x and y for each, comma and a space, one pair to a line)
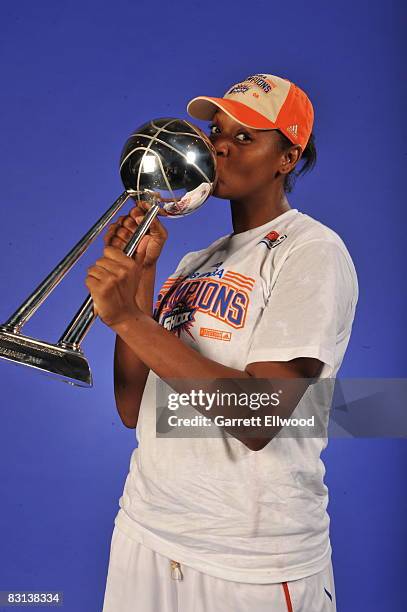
310, 304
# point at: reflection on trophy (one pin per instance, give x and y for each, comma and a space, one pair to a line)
168, 162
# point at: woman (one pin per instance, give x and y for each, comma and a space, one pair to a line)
236, 522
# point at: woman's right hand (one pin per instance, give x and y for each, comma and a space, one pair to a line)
120, 232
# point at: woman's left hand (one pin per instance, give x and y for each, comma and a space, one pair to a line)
113, 283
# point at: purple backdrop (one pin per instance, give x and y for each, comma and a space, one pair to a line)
76, 78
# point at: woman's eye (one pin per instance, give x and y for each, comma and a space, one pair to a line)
242, 136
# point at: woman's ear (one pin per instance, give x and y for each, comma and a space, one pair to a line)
290, 158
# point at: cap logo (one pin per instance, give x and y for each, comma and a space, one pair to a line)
261, 80
239, 88
293, 129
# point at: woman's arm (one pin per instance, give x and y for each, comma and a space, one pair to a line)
183, 367
130, 372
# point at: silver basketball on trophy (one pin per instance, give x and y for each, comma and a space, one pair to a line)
174, 160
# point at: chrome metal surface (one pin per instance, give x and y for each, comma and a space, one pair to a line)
58, 362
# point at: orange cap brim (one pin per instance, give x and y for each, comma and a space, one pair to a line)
204, 108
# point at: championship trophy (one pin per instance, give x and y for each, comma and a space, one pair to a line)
168, 162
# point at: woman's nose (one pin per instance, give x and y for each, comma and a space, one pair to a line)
221, 146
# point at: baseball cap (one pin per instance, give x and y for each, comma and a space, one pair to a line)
262, 101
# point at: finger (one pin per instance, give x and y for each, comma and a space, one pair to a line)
131, 223
107, 238
118, 223
124, 234
104, 268
91, 284
141, 208
156, 228
112, 229
95, 273
141, 250
111, 253
117, 236
118, 243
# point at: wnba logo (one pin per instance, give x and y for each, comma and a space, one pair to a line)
273, 239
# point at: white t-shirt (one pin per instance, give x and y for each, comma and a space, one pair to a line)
211, 503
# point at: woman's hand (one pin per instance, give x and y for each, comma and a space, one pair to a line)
119, 233
113, 283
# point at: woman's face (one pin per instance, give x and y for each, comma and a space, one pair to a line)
248, 159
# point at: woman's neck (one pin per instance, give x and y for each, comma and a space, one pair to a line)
256, 210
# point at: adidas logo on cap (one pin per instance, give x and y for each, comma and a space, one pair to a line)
293, 129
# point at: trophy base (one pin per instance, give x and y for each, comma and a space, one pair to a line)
65, 364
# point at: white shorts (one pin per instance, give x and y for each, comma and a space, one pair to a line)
142, 580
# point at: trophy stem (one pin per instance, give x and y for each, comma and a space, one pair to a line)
85, 317
28, 308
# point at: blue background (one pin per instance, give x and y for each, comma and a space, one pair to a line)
76, 79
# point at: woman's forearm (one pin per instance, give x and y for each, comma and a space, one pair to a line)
187, 371
183, 367
130, 372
